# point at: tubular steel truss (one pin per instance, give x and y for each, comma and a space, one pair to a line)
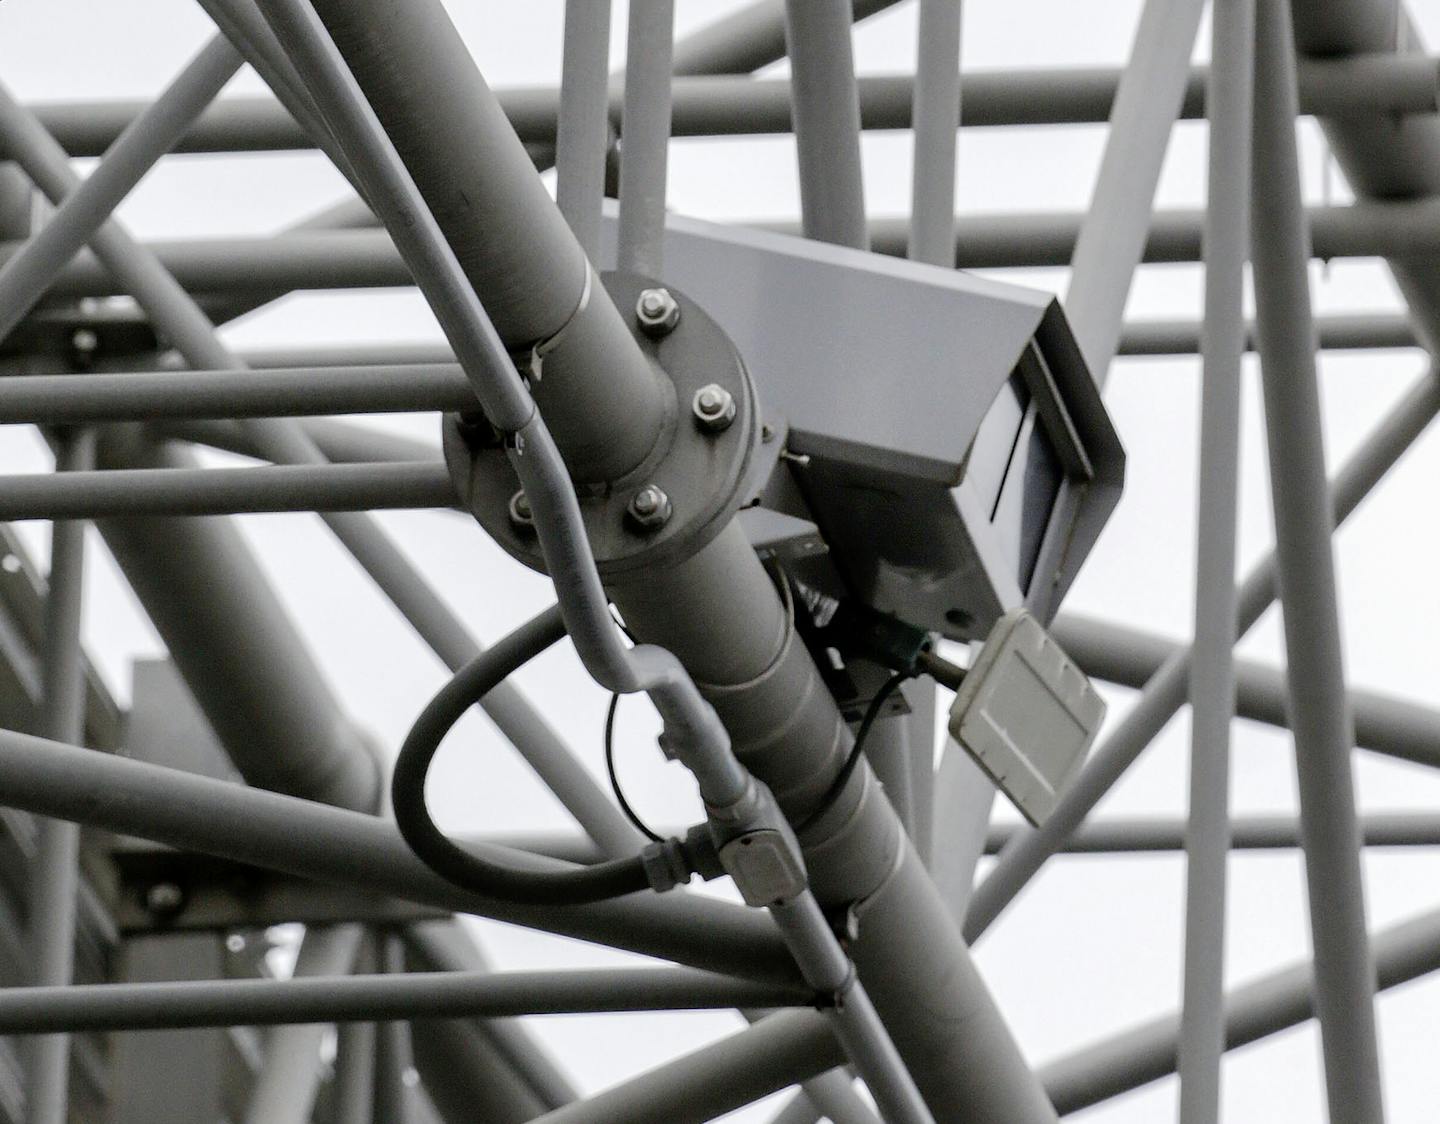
867, 863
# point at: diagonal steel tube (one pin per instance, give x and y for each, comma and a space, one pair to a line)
1165, 692
24, 277
55, 875
1305, 572
1253, 1010
329, 844
1212, 671
1120, 654
1113, 233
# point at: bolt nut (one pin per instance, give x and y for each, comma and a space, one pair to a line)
713, 407
164, 899
84, 341
520, 513
657, 312
650, 508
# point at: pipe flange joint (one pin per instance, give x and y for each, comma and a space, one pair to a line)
686, 490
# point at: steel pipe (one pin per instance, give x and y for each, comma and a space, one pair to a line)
1128, 656
710, 101
123, 493
1339, 333
1305, 574
936, 113
333, 998
349, 259
1113, 232
1212, 665
54, 876
583, 133
645, 132
1253, 1011
150, 396
328, 844
152, 134
719, 1078
825, 104
288, 1076
396, 77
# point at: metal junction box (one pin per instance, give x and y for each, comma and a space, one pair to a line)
943, 430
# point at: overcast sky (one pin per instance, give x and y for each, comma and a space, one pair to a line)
1094, 944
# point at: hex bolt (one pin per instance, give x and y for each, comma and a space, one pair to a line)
657, 312
164, 899
520, 513
713, 407
650, 508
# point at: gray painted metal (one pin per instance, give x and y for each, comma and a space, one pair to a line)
1305, 573
316, 996
1383, 723
1254, 1010
1165, 692
645, 127
1008, 1091
329, 844
152, 396
826, 107
1212, 671
24, 277
583, 133
117, 492
349, 259
1113, 232
289, 1073
55, 875
937, 120
1355, 87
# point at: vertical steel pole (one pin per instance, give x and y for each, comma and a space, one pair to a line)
1112, 237
1319, 716
936, 120
825, 105
54, 877
583, 131
290, 1069
1212, 668
392, 1045
645, 136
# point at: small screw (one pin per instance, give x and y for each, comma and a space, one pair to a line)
713, 407
657, 312
650, 507
164, 899
520, 513
84, 341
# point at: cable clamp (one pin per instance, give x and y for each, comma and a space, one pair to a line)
534, 360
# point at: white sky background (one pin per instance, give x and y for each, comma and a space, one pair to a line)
1094, 944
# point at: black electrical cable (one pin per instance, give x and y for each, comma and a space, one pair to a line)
630, 813
609, 879
842, 778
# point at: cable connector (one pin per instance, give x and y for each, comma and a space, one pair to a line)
758, 849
